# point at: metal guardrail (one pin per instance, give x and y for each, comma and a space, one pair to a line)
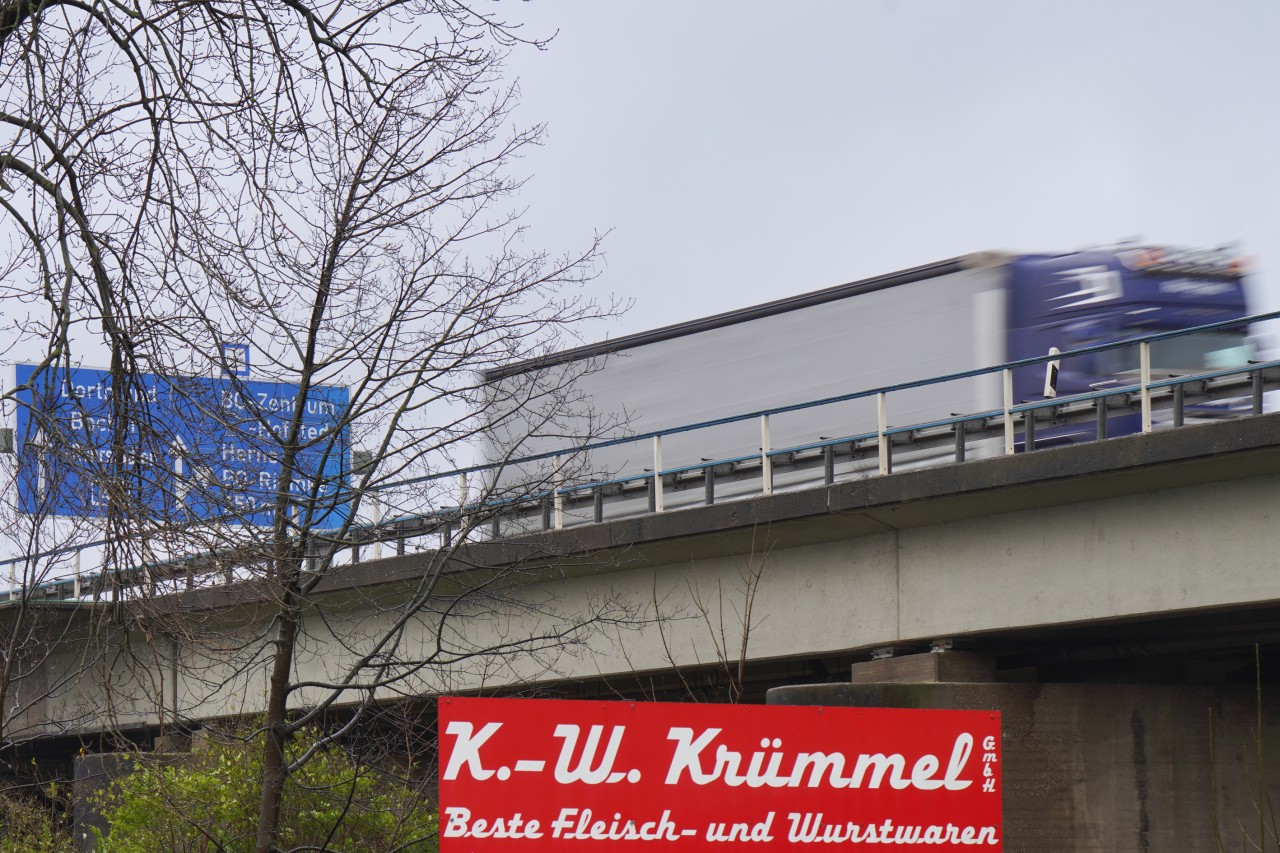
1015, 427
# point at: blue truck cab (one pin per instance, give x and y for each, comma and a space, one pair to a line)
1076, 300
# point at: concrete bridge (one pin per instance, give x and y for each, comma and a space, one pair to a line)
1147, 562
1144, 557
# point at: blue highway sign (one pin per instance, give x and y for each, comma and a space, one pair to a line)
192, 448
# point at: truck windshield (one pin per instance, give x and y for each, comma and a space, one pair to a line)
1205, 351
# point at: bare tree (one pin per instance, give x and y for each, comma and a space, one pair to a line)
711, 661
331, 182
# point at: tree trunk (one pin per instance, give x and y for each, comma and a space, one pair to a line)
277, 735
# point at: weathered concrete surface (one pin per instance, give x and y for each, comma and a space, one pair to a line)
1107, 767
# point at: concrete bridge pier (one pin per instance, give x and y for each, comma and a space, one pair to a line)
1122, 768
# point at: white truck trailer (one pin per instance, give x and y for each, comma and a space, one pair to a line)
951, 316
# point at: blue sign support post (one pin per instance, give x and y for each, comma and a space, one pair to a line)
235, 360
191, 448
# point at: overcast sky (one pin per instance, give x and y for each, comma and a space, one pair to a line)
746, 151
749, 150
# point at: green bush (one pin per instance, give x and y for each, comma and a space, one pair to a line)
208, 801
30, 826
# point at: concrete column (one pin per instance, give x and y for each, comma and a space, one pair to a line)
1123, 768
93, 775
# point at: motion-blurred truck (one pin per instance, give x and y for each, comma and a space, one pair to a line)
947, 317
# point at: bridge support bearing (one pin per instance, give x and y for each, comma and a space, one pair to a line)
928, 667
1128, 767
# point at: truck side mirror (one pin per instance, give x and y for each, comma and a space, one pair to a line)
1051, 374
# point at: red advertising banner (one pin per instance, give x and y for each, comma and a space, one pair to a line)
535, 775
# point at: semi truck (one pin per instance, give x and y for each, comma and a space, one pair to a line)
964, 313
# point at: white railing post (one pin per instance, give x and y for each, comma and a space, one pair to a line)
766, 461
377, 527
557, 481
657, 474
463, 493
1144, 370
1008, 412
882, 424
